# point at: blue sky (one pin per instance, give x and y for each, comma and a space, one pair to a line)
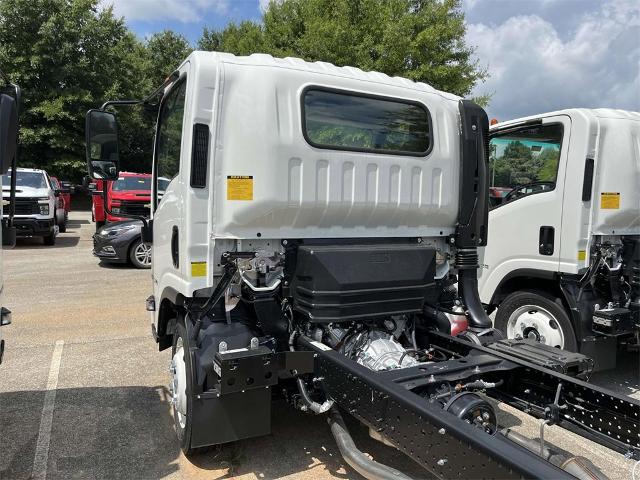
542, 55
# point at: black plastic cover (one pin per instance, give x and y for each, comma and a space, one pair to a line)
473, 213
333, 283
562, 361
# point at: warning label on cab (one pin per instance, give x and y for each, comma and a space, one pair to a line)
198, 269
610, 200
239, 187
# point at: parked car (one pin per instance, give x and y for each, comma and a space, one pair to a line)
130, 194
121, 242
63, 205
36, 204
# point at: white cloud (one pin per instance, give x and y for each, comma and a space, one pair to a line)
264, 4
183, 11
535, 68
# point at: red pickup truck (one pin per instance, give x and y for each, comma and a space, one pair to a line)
63, 192
129, 194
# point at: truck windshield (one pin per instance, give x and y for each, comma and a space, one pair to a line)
132, 183
523, 162
26, 179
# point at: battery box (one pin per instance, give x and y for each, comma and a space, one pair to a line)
612, 321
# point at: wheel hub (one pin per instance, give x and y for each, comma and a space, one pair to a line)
178, 385
143, 254
535, 323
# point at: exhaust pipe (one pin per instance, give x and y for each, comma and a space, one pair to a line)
579, 467
355, 458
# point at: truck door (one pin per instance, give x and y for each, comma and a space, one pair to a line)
167, 205
528, 168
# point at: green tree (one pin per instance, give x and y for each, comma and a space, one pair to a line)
419, 39
548, 160
67, 57
164, 53
244, 38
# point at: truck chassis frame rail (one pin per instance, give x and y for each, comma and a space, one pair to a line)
388, 402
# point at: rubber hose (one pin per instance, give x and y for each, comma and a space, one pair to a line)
468, 287
362, 464
312, 405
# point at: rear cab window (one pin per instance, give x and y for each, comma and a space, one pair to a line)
523, 161
343, 120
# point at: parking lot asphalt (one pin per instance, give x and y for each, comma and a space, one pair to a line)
83, 389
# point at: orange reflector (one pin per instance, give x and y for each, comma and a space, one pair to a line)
493, 121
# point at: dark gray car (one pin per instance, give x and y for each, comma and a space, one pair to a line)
121, 242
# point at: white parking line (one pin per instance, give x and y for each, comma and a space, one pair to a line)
46, 419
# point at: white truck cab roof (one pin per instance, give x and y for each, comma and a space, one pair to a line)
285, 186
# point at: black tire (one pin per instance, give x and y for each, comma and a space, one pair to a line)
50, 239
63, 226
544, 300
136, 261
99, 225
184, 432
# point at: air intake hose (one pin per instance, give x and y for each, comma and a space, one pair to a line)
467, 265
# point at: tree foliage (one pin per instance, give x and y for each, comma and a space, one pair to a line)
72, 55
68, 57
419, 39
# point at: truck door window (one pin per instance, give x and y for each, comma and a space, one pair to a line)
523, 162
169, 139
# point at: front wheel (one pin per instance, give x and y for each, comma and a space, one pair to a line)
140, 254
182, 387
50, 239
538, 316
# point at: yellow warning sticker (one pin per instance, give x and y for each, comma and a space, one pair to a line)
582, 255
239, 187
198, 269
610, 200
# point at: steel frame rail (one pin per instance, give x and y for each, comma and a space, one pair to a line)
438, 441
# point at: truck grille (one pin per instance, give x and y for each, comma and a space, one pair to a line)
27, 206
135, 208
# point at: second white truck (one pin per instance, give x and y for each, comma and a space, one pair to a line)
562, 264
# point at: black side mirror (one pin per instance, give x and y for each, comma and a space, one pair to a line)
8, 131
103, 158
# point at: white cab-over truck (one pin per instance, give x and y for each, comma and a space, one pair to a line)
9, 101
307, 246
563, 259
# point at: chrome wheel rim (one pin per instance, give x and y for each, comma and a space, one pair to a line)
535, 323
142, 254
178, 385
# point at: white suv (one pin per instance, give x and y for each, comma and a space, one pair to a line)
35, 204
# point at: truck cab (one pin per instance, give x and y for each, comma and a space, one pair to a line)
563, 259
307, 246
